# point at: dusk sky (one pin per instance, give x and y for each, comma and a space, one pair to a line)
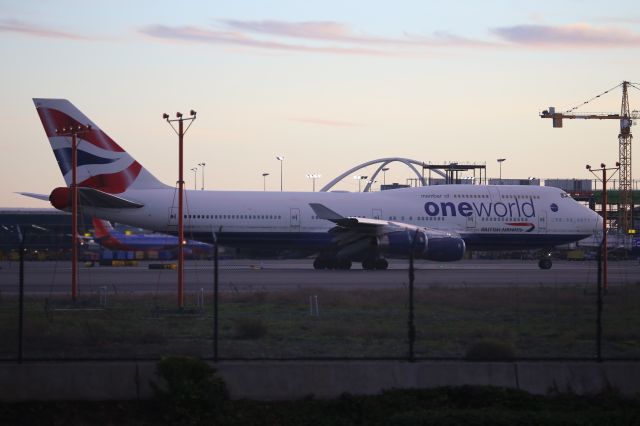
327, 84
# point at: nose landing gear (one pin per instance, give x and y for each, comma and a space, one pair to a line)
545, 260
545, 264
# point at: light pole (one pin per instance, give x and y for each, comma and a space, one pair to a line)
500, 161
602, 277
264, 181
360, 179
384, 175
180, 132
314, 176
202, 165
195, 176
280, 158
74, 131
605, 201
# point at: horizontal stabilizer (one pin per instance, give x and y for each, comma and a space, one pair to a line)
43, 197
96, 198
60, 198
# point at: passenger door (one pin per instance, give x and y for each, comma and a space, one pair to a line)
172, 222
295, 219
542, 221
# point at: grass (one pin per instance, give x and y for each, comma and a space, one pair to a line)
545, 322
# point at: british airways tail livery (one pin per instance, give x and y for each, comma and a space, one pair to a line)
109, 238
435, 222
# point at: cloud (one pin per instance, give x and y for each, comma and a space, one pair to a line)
29, 29
572, 35
212, 36
310, 36
338, 32
325, 122
619, 19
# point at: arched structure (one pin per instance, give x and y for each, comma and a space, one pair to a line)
383, 162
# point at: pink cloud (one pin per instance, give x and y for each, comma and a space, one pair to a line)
20, 27
335, 31
311, 37
573, 35
200, 35
324, 30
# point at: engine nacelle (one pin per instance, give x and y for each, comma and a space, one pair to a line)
445, 249
399, 242
441, 248
60, 198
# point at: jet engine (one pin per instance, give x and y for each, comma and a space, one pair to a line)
426, 245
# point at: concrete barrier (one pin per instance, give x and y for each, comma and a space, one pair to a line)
274, 380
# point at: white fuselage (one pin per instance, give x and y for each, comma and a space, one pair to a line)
488, 217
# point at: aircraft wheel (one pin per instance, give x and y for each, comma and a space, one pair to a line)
545, 264
344, 264
319, 263
382, 264
368, 264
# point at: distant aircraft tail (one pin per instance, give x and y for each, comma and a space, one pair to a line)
102, 163
102, 228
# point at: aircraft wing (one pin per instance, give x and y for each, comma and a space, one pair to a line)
359, 224
361, 236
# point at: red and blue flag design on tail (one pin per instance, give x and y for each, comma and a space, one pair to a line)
102, 163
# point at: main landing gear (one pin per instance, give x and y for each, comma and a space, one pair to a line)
375, 263
331, 262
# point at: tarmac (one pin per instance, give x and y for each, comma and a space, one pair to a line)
53, 277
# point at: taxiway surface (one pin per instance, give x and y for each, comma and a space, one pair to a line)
277, 275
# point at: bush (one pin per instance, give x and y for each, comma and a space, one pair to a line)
488, 350
190, 391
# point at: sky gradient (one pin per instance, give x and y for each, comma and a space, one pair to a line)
328, 85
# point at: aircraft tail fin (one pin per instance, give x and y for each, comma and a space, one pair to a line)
102, 163
102, 228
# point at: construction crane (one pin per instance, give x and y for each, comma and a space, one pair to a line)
625, 208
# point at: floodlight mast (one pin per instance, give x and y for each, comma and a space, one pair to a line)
602, 253
181, 131
73, 131
604, 179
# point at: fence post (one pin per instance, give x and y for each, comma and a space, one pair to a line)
21, 297
215, 297
412, 327
599, 306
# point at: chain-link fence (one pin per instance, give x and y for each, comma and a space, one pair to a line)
286, 310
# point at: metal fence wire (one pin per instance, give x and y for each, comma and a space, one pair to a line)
259, 318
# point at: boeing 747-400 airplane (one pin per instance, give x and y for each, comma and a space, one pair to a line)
436, 222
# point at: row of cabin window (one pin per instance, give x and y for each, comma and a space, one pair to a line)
229, 216
504, 196
571, 219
